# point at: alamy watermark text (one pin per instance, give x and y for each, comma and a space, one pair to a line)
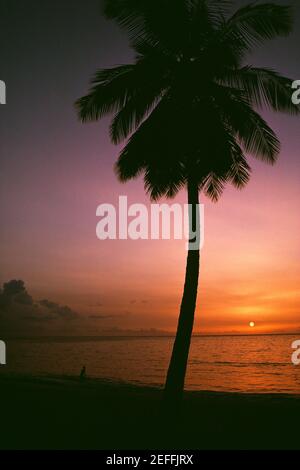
161, 222
2, 92
2, 353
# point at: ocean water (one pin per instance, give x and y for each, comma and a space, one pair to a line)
251, 364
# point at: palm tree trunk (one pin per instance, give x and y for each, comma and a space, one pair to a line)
177, 369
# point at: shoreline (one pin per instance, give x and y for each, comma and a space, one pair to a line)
101, 382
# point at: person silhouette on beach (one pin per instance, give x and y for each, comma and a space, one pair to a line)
82, 374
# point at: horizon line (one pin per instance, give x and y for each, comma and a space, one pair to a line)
167, 335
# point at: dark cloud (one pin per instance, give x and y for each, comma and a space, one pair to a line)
62, 311
14, 292
18, 310
21, 315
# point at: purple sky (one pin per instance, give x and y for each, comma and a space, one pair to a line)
54, 172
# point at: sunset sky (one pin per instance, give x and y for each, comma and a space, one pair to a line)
54, 172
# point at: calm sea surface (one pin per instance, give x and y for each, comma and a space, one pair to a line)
223, 363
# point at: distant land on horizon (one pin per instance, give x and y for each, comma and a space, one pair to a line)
151, 333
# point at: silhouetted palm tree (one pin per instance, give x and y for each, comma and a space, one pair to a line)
188, 105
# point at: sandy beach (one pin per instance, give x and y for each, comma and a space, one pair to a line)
63, 413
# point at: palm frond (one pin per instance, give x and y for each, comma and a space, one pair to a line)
258, 138
129, 166
240, 171
142, 148
264, 88
217, 10
164, 180
131, 115
129, 14
247, 125
213, 186
150, 85
110, 92
147, 20
255, 23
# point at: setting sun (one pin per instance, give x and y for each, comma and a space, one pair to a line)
252, 324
